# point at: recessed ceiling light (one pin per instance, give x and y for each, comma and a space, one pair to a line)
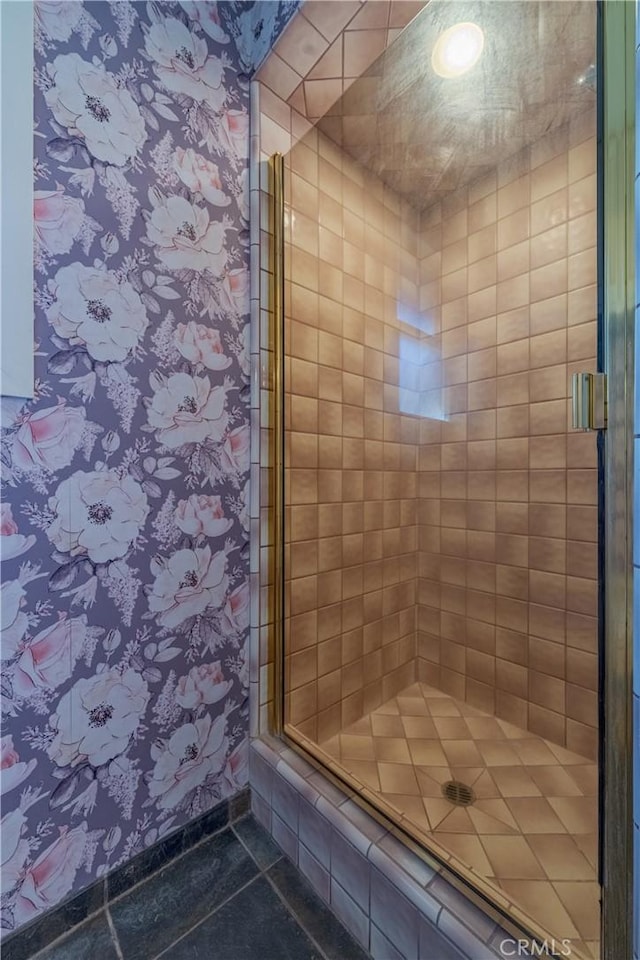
457, 50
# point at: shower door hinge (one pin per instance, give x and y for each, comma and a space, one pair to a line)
589, 401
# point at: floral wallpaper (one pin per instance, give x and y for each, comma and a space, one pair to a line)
124, 524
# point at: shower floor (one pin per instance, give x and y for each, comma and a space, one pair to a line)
530, 833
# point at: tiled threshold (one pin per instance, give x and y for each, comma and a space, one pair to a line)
395, 904
530, 834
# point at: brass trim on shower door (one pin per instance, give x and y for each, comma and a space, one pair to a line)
617, 332
276, 164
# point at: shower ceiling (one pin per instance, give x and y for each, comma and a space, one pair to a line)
425, 136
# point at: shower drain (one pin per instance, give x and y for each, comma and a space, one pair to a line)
459, 793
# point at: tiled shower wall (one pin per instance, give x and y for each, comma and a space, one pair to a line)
352, 448
507, 590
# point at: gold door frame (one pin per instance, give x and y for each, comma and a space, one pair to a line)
616, 77
617, 271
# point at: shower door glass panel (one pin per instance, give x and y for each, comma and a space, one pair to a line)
441, 543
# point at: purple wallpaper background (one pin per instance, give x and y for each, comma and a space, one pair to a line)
124, 526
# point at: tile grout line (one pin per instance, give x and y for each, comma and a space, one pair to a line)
223, 903
260, 873
114, 933
297, 919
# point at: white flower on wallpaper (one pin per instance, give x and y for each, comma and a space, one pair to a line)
12, 542
183, 64
95, 720
47, 660
200, 176
47, 439
194, 753
13, 617
14, 849
86, 100
205, 13
58, 18
186, 584
57, 219
185, 236
202, 515
187, 409
50, 877
91, 308
203, 684
124, 523
14, 770
201, 344
98, 514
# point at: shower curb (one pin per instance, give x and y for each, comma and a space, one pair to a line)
392, 901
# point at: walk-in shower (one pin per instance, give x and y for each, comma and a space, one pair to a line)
440, 519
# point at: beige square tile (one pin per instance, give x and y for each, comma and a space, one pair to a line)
392, 749
578, 814
419, 728
581, 901
398, 778
540, 900
427, 753
511, 858
515, 782
497, 753
461, 752
554, 781
560, 857
443, 708
451, 728
385, 726
534, 815
468, 849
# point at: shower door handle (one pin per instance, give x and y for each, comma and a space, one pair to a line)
589, 401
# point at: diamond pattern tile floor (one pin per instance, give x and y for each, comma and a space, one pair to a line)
531, 831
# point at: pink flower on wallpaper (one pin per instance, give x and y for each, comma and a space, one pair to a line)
235, 287
92, 307
86, 99
186, 238
205, 12
236, 609
12, 770
95, 720
200, 175
183, 65
14, 849
57, 18
187, 409
202, 514
244, 357
236, 449
57, 219
186, 584
236, 771
99, 514
12, 543
193, 753
47, 660
234, 126
203, 684
13, 619
200, 344
47, 439
50, 878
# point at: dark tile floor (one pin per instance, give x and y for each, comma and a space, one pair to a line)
233, 897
